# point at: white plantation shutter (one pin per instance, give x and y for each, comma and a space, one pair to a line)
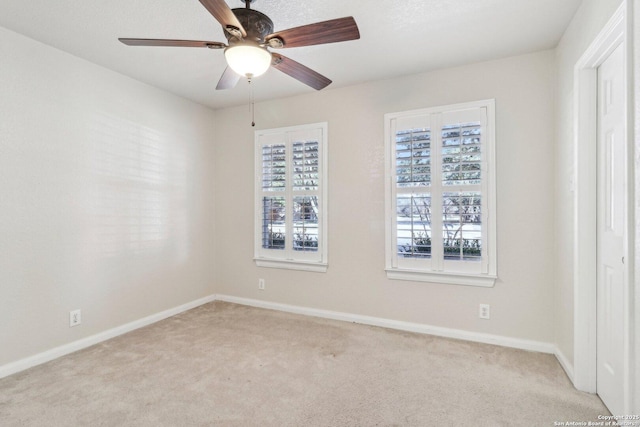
412, 185
291, 197
273, 202
461, 152
413, 158
462, 178
441, 174
306, 161
274, 167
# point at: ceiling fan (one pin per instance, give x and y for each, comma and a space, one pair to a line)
250, 34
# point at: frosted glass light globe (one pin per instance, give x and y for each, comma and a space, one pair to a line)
248, 60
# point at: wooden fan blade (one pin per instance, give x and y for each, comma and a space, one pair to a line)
173, 43
229, 79
335, 30
223, 14
300, 72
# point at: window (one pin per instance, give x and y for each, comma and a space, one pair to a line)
291, 198
440, 197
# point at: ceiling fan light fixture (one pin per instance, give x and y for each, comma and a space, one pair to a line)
249, 34
248, 60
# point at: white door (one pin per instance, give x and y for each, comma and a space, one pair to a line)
611, 226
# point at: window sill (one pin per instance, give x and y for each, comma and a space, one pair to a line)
316, 267
481, 280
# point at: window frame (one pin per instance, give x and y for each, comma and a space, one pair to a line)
289, 258
436, 269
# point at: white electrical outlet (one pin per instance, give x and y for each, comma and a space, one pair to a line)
485, 311
75, 318
261, 284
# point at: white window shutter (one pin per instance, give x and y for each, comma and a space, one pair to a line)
441, 175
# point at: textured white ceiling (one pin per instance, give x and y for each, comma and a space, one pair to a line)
398, 37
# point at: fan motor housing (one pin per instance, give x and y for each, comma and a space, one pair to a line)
256, 24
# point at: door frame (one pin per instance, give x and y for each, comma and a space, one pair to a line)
614, 33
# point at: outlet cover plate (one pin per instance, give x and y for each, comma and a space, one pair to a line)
485, 311
75, 318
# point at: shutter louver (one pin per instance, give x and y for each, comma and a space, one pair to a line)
305, 166
462, 226
461, 154
413, 174
274, 173
305, 223
274, 167
413, 158
461, 210
414, 226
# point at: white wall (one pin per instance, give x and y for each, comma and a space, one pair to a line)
635, 22
106, 200
586, 24
522, 300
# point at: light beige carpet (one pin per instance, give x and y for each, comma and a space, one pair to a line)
229, 365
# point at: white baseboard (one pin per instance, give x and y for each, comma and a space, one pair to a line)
54, 353
40, 358
521, 344
564, 362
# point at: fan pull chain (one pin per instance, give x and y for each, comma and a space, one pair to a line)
251, 104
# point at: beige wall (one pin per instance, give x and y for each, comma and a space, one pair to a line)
636, 156
106, 200
587, 23
522, 300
